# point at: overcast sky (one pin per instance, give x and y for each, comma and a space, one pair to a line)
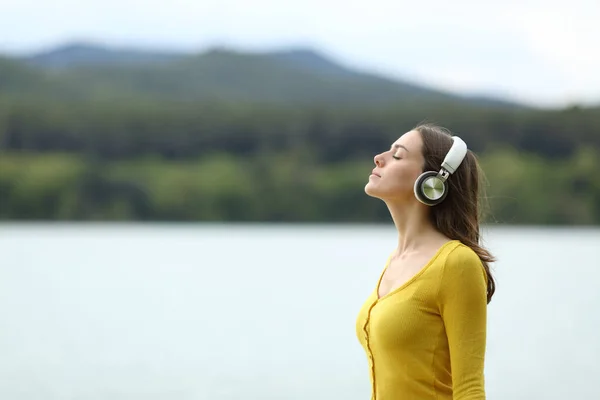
545, 52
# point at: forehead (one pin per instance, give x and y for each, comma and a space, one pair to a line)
410, 141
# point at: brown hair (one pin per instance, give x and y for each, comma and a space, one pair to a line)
458, 216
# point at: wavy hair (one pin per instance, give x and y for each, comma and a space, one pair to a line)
459, 215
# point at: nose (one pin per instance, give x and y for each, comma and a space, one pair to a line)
378, 159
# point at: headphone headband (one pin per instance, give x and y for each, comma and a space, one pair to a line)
455, 155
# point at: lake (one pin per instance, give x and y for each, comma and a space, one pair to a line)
182, 312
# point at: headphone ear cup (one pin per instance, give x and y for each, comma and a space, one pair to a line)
429, 189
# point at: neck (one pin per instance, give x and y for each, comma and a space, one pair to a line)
413, 225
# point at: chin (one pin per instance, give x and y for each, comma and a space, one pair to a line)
389, 194
371, 191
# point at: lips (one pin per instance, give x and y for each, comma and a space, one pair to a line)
375, 173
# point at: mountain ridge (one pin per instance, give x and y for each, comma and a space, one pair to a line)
289, 75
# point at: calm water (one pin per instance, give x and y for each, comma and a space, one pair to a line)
169, 312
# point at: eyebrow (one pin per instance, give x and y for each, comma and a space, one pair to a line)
396, 146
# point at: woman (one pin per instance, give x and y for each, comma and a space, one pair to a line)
424, 326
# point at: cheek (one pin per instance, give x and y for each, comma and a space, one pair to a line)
401, 180
397, 182
406, 176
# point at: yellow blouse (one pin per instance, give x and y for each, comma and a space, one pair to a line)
426, 339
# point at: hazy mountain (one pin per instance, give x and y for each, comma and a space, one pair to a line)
310, 60
84, 54
292, 76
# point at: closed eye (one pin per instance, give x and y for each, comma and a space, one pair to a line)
396, 157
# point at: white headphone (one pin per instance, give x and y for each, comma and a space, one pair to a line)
431, 187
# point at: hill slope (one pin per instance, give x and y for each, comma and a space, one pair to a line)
293, 76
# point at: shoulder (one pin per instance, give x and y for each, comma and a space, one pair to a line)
460, 253
461, 262
463, 278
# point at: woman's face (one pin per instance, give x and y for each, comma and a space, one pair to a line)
397, 169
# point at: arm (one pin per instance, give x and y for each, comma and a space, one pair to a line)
463, 307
